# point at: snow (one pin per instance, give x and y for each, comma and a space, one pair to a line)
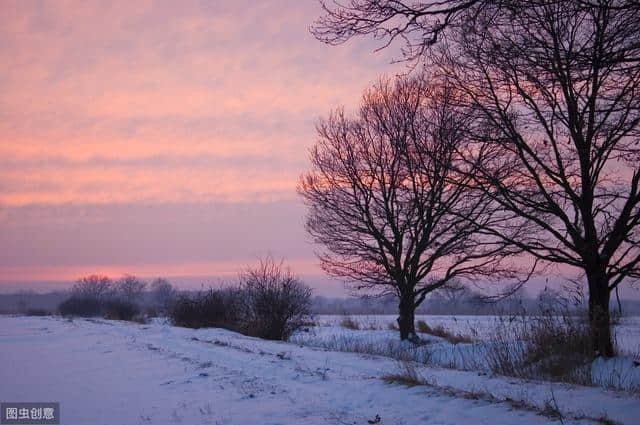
627, 332
373, 335
618, 372
110, 372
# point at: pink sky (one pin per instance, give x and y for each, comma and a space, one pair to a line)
162, 138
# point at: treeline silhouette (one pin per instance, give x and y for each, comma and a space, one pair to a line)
29, 302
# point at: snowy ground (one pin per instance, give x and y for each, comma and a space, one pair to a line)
374, 336
108, 372
627, 332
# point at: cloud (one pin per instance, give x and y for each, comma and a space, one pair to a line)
161, 106
139, 234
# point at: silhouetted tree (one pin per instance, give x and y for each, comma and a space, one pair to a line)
389, 200
96, 287
130, 288
556, 86
417, 24
164, 294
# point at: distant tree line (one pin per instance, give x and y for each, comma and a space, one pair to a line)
99, 295
268, 301
469, 302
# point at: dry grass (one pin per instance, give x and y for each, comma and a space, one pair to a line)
351, 344
406, 375
552, 346
349, 323
441, 332
421, 326
605, 420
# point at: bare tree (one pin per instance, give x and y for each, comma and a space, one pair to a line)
95, 286
417, 24
130, 288
164, 294
556, 85
389, 199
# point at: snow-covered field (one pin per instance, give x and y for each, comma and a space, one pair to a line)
117, 373
373, 335
627, 333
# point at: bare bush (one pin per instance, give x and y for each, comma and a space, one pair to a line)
269, 303
277, 302
216, 308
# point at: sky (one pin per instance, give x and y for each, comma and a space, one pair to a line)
162, 138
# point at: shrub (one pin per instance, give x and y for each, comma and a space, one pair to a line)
213, 309
270, 303
82, 306
187, 313
37, 312
117, 309
277, 302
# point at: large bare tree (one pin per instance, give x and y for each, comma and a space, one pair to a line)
557, 88
389, 197
558, 84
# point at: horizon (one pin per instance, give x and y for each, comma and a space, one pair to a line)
321, 284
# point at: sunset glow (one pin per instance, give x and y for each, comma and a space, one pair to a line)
114, 112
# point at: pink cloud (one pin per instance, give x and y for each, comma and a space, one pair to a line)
156, 103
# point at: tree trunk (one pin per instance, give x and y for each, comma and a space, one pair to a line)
406, 320
599, 320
